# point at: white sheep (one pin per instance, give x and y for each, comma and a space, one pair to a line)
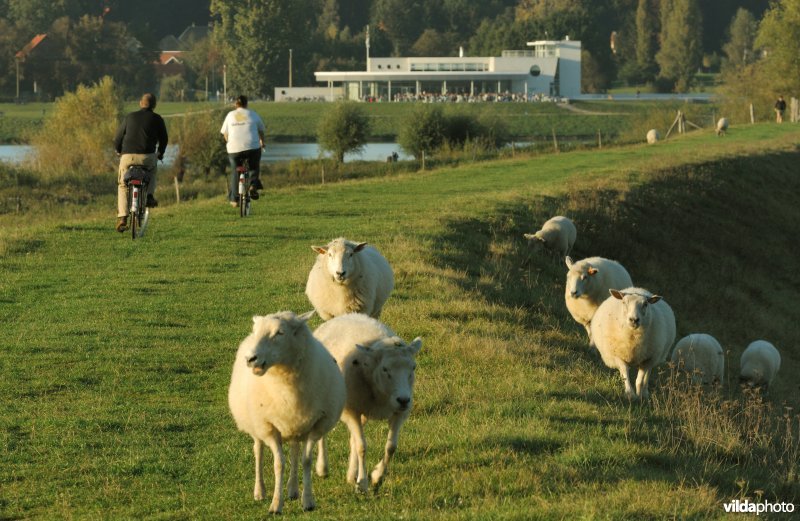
722, 126
701, 356
378, 368
557, 234
633, 329
759, 364
653, 136
349, 277
285, 386
588, 282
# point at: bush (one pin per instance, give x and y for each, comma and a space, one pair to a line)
77, 134
343, 129
173, 88
423, 131
201, 147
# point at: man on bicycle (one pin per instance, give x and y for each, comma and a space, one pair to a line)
135, 142
244, 137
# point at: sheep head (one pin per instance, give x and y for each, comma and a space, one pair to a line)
635, 307
339, 259
579, 277
274, 340
388, 365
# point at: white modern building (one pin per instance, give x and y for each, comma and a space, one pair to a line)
547, 68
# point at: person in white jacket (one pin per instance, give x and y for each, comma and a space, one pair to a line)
244, 137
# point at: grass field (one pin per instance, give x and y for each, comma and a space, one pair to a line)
116, 354
298, 121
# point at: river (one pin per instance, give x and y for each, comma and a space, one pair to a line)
274, 152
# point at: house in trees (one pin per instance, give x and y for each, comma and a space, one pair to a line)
547, 68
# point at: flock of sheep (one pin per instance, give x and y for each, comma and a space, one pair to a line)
292, 384
634, 329
289, 384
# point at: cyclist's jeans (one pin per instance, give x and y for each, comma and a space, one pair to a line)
126, 160
253, 161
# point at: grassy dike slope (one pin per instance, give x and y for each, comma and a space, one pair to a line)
115, 355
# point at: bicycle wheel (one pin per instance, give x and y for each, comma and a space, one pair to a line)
131, 213
242, 203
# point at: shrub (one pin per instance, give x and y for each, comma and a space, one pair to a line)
201, 147
77, 134
423, 131
173, 88
343, 129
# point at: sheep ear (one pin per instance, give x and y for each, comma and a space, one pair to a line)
305, 317
529, 236
363, 349
359, 247
654, 299
320, 249
415, 346
569, 261
617, 294
592, 271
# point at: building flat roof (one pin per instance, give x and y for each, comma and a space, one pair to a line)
417, 75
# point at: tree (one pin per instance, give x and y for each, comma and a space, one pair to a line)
778, 35
681, 52
255, 37
742, 36
399, 19
433, 43
77, 132
423, 130
343, 129
646, 37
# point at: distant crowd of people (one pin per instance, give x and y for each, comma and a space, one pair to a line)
452, 97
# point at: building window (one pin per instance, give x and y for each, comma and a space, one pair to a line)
379, 67
535, 70
388, 66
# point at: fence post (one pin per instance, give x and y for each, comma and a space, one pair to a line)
177, 191
555, 140
752, 115
599, 139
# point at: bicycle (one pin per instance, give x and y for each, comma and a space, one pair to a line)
137, 178
243, 169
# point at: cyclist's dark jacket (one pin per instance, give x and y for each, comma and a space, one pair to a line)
139, 133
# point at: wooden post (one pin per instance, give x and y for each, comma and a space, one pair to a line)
555, 140
423, 160
752, 115
323, 173
599, 139
177, 190
673, 124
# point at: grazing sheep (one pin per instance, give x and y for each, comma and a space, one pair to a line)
653, 136
588, 282
701, 356
759, 364
285, 386
349, 277
378, 369
722, 126
633, 329
557, 234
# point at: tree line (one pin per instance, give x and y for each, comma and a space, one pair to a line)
255, 44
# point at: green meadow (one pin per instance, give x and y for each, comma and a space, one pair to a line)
116, 354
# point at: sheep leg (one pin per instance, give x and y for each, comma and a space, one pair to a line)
642, 381
274, 443
322, 458
352, 463
258, 451
630, 392
358, 446
293, 490
395, 422
308, 495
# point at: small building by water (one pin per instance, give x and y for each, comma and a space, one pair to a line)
547, 69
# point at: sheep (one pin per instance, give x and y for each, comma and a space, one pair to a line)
759, 364
285, 386
722, 126
378, 368
700, 355
653, 136
349, 277
633, 329
557, 234
588, 282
